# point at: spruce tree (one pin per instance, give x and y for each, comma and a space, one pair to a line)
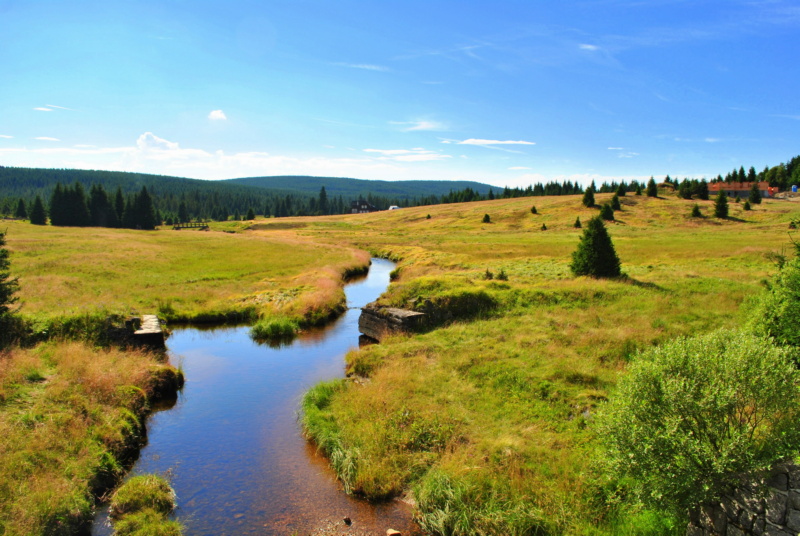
755, 195
615, 203
696, 211
746, 205
57, 200
251, 215
21, 212
544, 227
701, 190
322, 205
588, 197
577, 223
606, 212
652, 189
487, 219
8, 285
38, 214
533, 210
119, 207
595, 255
145, 214
621, 190
721, 205
638, 189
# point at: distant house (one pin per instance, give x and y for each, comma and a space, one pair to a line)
361, 207
742, 189
394, 207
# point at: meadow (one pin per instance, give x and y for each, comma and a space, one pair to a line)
183, 275
485, 418
488, 418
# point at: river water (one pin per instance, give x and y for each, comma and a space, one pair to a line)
231, 446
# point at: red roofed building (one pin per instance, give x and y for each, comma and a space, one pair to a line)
742, 189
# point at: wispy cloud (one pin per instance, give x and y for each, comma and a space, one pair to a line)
584, 46
364, 66
6, 136
217, 115
515, 168
616, 148
46, 138
787, 116
482, 142
712, 140
421, 124
43, 109
418, 154
60, 107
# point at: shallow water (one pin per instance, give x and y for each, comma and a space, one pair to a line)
232, 447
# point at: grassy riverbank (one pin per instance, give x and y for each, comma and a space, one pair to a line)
181, 275
71, 417
488, 419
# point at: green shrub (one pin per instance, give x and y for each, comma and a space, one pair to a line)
607, 212
140, 493
777, 313
694, 413
696, 212
487, 219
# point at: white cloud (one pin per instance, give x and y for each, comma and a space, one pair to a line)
364, 66
482, 142
217, 115
518, 168
59, 107
712, 140
627, 154
42, 109
589, 47
422, 124
418, 154
46, 138
615, 148
6, 137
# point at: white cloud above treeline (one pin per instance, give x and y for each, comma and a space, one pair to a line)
217, 115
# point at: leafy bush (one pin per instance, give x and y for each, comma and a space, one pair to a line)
694, 413
777, 313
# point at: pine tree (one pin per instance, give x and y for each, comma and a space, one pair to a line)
38, 214
8, 285
322, 205
21, 212
251, 215
685, 190
621, 190
701, 190
533, 210
755, 195
145, 215
746, 205
487, 219
595, 255
696, 211
119, 206
606, 212
577, 223
588, 197
76, 208
721, 205
652, 189
615, 205
544, 227
57, 213
638, 189
183, 212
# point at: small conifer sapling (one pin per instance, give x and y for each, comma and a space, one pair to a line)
595, 255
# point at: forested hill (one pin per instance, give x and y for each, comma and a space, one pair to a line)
353, 188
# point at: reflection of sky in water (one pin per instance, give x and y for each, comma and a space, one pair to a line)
232, 443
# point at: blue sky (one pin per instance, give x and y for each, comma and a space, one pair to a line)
503, 92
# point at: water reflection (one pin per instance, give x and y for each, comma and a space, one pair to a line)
232, 445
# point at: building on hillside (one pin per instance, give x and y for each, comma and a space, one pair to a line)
394, 207
361, 207
742, 189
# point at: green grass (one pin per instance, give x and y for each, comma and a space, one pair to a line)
70, 418
183, 275
488, 418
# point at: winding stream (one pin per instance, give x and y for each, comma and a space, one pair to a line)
232, 447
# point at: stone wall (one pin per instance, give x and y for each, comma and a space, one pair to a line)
768, 506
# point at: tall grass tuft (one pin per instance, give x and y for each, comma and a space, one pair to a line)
280, 327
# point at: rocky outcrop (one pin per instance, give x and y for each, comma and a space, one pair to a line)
378, 322
768, 506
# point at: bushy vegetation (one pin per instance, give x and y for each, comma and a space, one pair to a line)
692, 415
777, 313
274, 328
